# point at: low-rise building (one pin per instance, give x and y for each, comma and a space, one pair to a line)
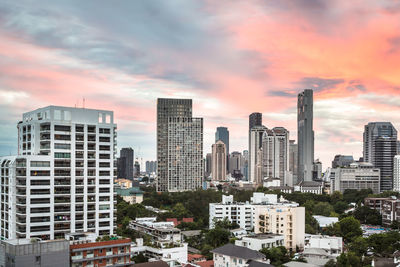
389, 208
333, 245
123, 183
165, 251
260, 241
324, 221
160, 231
357, 176
84, 252
283, 220
243, 213
26, 252
235, 256
131, 195
313, 187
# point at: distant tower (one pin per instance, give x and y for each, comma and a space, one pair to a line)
255, 119
218, 164
305, 135
275, 157
293, 153
380, 147
125, 163
179, 146
222, 134
396, 173
256, 135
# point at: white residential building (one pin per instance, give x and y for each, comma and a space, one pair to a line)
331, 244
160, 231
170, 252
313, 187
236, 256
244, 213
324, 221
62, 179
260, 241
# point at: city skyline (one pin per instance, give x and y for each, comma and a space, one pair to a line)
242, 65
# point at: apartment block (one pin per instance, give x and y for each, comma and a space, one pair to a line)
243, 213
286, 221
62, 179
389, 208
102, 253
26, 252
357, 176
259, 241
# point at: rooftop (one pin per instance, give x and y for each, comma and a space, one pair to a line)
263, 236
238, 252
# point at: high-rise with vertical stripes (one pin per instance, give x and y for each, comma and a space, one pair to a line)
61, 181
179, 146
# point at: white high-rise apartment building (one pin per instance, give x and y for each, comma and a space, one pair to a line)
396, 173
275, 154
62, 179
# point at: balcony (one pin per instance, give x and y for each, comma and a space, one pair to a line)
62, 218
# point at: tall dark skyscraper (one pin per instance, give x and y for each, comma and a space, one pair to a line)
255, 119
125, 163
305, 135
380, 147
179, 146
222, 134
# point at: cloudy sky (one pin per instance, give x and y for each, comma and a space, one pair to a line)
231, 57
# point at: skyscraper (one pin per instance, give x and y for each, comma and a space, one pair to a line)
222, 134
255, 145
255, 119
208, 165
275, 154
125, 163
62, 179
218, 165
305, 135
245, 165
235, 161
179, 146
380, 147
396, 173
293, 153
151, 167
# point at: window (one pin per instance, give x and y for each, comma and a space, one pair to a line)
62, 146
62, 155
57, 115
40, 163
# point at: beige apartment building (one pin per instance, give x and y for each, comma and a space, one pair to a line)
286, 221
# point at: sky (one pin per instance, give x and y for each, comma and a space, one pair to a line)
231, 57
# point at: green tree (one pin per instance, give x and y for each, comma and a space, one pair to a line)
323, 208
350, 228
349, 259
277, 255
367, 215
217, 237
140, 258
340, 207
359, 246
312, 225
330, 263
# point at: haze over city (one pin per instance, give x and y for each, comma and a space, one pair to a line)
231, 57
